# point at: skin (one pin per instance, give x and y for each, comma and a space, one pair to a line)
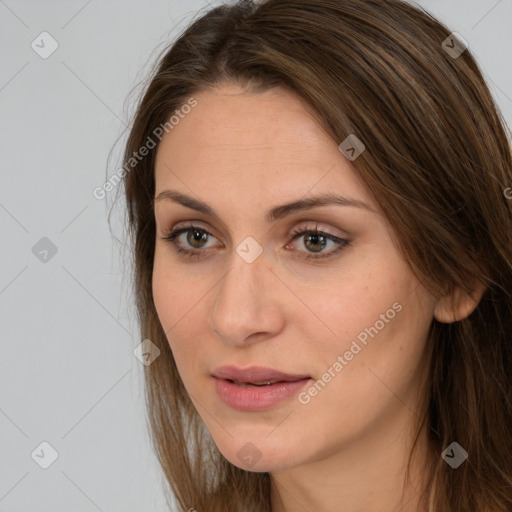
244, 153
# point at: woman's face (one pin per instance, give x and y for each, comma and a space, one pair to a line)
353, 322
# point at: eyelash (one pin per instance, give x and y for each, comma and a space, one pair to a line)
194, 254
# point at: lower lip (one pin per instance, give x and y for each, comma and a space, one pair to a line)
256, 398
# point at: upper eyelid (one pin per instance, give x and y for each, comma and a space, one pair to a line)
298, 224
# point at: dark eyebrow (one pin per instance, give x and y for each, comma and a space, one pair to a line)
276, 213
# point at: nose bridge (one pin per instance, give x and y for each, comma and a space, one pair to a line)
242, 304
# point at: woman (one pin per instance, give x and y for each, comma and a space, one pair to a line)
323, 256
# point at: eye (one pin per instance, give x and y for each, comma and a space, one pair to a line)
317, 238
195, 235
316, 241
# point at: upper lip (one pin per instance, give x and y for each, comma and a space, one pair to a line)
255, 374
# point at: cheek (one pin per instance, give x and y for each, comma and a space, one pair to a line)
382, 351
354, 302
177, 301
371, 381
377, 321
174, 292
164, 295
169, 303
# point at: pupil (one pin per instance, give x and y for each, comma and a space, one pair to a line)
198, 236
315, 238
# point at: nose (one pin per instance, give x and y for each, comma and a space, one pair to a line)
247, 308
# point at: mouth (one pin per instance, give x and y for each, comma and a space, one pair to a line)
256, 388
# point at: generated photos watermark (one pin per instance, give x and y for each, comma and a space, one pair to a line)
343, 360
100, 192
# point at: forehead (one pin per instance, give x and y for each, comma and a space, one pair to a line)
229, 118
237, 142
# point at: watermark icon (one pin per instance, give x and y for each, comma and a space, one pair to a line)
45, 455
249, 249
508, 193
454, 455
100, 192
44, 250
454, 45
44, 45
249, 455
146, 352
352, 147
342, 361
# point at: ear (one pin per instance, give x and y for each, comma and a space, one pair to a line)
458, 304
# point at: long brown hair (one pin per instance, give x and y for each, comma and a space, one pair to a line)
439, 163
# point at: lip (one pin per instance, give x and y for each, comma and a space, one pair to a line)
255, 374
241, 398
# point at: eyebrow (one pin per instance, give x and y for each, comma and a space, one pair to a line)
274, 214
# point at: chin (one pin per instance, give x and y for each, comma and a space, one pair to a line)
263, 455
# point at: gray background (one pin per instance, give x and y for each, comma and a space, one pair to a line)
68, 374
